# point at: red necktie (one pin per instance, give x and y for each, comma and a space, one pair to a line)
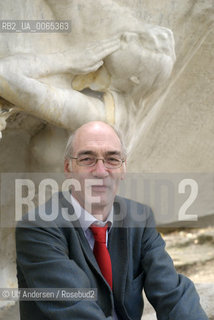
101, 252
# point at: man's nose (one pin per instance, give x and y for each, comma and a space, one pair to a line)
100, 170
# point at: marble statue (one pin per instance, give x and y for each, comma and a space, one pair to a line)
108, 78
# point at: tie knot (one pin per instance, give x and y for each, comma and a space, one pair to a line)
99, 233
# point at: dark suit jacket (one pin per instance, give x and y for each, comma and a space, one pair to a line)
56, 254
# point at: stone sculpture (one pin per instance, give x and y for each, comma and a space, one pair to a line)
108, 79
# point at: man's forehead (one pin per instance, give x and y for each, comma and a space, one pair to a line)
96, 137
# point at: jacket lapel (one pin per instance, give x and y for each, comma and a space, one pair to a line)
118, 249
87, 249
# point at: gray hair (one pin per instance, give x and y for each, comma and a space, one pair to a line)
69, 145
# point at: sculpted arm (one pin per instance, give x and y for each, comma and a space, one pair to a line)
20, 84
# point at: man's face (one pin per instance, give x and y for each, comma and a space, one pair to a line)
99, 140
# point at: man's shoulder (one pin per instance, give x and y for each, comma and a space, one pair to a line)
55, 212
132, 213
120, 199
51, 221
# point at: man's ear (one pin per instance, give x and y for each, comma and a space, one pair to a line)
67, 168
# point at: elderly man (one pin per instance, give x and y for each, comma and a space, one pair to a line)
108, 244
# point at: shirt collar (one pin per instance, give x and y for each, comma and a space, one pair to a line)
86, 219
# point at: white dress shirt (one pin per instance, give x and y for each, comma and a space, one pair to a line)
86, 220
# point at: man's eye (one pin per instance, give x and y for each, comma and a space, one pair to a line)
86, 159
113, 160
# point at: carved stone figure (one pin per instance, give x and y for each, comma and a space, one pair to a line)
108, 79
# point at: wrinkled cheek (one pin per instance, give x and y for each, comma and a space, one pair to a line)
116, 185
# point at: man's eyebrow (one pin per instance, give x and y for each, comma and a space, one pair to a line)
113, 153
86, 152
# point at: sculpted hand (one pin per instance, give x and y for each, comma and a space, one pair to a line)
91, 58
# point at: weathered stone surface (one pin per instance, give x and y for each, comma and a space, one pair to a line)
189, 248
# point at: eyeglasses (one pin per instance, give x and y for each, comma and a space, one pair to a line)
110, 162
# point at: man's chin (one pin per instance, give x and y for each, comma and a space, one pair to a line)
100, 199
